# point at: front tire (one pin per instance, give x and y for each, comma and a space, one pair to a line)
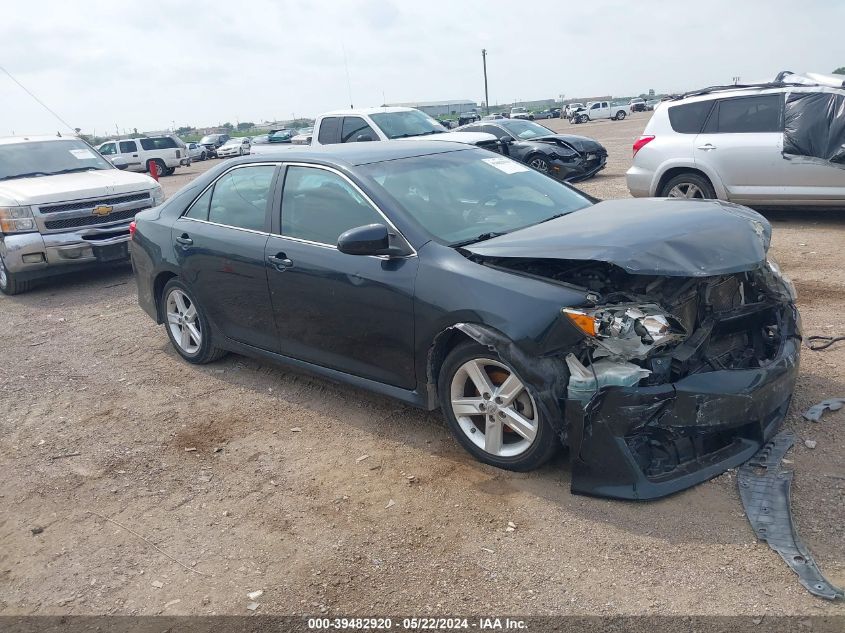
688, 185
540, 163
9, 282
187, 325
203, 156
492, 413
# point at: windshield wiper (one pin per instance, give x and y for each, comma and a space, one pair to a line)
479, 238
33, 174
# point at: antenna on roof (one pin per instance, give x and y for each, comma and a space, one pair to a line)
40, 102
348, 82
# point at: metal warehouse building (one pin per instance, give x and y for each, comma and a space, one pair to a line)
439, 108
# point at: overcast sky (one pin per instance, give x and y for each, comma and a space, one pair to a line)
150, 64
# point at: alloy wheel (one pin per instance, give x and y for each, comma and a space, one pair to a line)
183, 322
493, 408
685, 190
540, 164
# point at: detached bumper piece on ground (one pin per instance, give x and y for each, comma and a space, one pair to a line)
765, 491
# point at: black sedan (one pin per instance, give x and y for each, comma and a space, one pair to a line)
651, 336
564, 156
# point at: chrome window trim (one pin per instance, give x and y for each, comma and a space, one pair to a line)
225, 226
363, 195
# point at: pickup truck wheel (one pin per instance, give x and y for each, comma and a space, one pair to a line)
583, 118
187, 325
203, 156
9, 284
491, 412
620, 116
688, 185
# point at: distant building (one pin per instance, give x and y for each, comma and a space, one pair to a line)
439, 108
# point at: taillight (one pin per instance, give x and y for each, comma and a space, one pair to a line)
642, 142
131, 229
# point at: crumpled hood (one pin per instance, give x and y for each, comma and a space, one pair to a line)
647, 236
579, 143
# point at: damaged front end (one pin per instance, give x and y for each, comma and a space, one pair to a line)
676, 378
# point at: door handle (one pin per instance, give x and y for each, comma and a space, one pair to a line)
280, 261
184, 240
706, 147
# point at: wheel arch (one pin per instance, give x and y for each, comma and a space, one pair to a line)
159, 283
677, 170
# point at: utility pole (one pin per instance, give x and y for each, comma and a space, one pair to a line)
486, 96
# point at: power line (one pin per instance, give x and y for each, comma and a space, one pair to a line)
44, 105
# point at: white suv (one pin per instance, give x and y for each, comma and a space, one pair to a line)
63, 207
775, 144
139, 152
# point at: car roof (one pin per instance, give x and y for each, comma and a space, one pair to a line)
9, 140
352, 154
377, 110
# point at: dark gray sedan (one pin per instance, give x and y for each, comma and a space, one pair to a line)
650, 336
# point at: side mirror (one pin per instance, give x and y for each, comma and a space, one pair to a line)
370, 239
362, 138
120, 163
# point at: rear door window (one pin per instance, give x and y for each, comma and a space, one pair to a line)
240, 198
689, 118
128, 147
748, 115
329, 131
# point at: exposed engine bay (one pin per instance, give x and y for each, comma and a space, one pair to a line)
686, 376
671, 326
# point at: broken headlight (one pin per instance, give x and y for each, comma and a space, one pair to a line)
626, 330
784, 281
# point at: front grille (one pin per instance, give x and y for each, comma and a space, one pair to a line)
90, 204
91, 220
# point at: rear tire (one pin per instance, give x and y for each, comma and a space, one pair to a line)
688, 185
9, 282
186, 322
620, 116
494, 439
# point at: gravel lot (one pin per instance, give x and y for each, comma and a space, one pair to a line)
255, 478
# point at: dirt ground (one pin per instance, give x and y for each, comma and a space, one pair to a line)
254, 477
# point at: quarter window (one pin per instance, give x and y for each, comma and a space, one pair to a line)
689, 118
240, 198
199, 210
318, 205
750, 114
354, 127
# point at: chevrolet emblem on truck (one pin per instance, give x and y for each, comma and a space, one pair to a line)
102, 210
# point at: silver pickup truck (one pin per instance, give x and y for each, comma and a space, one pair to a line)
63, 207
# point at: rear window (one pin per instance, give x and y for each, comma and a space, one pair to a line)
158, 142
689, 118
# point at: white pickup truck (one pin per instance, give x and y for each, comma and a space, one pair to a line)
389, 123
595, 110
64, 207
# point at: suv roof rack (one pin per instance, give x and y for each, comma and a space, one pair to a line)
780, 81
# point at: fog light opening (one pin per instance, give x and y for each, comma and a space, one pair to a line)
33, 258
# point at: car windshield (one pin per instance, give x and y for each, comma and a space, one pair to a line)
406, 124
260, 140
468, 196
233, 141
519, 128
48, 158
280, 135
209, 139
